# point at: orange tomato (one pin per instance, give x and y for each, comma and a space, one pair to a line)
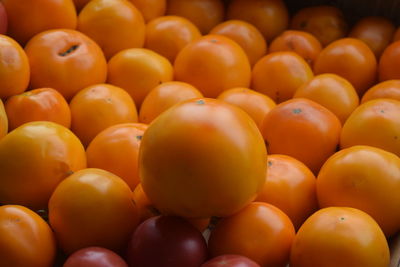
205, 14
14, 68
396, 35
350, 58
3, 121
386, 89
270, 17
388, 62
374, 123
262, 232
255, 104
303, 43
333, 92
25, 238
151, 9
127, 29
98, 107
376, 32
169, 34
326, 23
279, 74
116, 149
213, 64
215, 160
246, 35
27, 18
42, 104
92, 207
291, 187
138, 70
302, 129
34, 159
65, 60
340, 237
164, 96
366, 178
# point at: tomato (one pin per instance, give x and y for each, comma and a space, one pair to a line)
25, 238
151, 9
213, 64
230, 261
365, 178
3, 19
166, 241
386, 89
388, 69
34, 159
42, 104
202, 158
94, 257
260, 231
92, 207
65, 60
3, 120
340, 237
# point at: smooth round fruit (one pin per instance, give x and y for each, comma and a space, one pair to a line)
166, 241
34, 159
376, 32
138, 71
351, 59
92, 207
27, 18
42, 104
326, 23
230, 261
374, 123
150, 9
168, 35
302, 129
388, 69
246, 35
14, 68
302, 43
3, 19
213, 64
127, 29
262, 232
331, 91
116, 149
215, 163
279, 74
65, 60
387, 89
98, 107
164, 96
291, 187
255, 104
25, 238
270, 17
95, 257
340, 237
205, 14
145, 208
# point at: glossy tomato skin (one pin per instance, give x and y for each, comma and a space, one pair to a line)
3, 19
230, 261
95, 257
386, 89
25, 238
202, 158
166, 241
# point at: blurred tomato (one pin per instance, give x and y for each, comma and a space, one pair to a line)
3, 19
94, 257
230, 261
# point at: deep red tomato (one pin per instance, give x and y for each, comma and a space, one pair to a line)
95, 257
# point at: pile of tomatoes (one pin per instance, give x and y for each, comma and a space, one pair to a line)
177, 133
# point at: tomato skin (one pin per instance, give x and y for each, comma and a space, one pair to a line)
230, 261
3, 19
25, 238
386, 89
214, 143
95, 257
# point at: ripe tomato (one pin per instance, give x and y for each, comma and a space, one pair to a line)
262, 232
230, 261
95, 257
42, 104
340, 237
202, 158
65, 60
387, 89
127, 29
34, 159
213, 64
388, 68
3, 19
92, 207
3, 121
151, 9
25, 238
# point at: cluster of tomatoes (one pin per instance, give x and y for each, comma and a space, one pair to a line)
130, 135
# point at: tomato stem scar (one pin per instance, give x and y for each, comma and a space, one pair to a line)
69, 51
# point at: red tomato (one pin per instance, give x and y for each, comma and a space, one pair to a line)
230, 261
3, 19
95, 257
